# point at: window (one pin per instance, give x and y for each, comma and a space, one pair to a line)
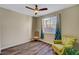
49, 24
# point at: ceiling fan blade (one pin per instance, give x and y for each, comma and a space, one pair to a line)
29, 7
42, 9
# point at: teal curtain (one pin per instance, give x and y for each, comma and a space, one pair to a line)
42, 34
58, 28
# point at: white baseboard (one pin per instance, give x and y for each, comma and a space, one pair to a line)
46, 41
14, 45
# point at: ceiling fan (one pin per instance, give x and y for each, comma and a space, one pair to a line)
36, 9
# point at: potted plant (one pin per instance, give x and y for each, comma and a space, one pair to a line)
71, 51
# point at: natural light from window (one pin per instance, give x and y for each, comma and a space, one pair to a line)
49, 24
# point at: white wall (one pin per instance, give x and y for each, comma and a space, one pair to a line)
16, 28
0, 35
70, 22
34, 26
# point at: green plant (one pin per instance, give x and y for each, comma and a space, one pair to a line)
70, 51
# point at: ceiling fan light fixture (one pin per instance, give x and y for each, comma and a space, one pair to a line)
35, 11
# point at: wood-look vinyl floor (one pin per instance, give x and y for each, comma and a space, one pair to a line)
30, 48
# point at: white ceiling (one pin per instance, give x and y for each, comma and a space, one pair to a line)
21, 8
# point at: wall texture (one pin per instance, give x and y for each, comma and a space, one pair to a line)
34, 26
69, 21
16, 28
0, 34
